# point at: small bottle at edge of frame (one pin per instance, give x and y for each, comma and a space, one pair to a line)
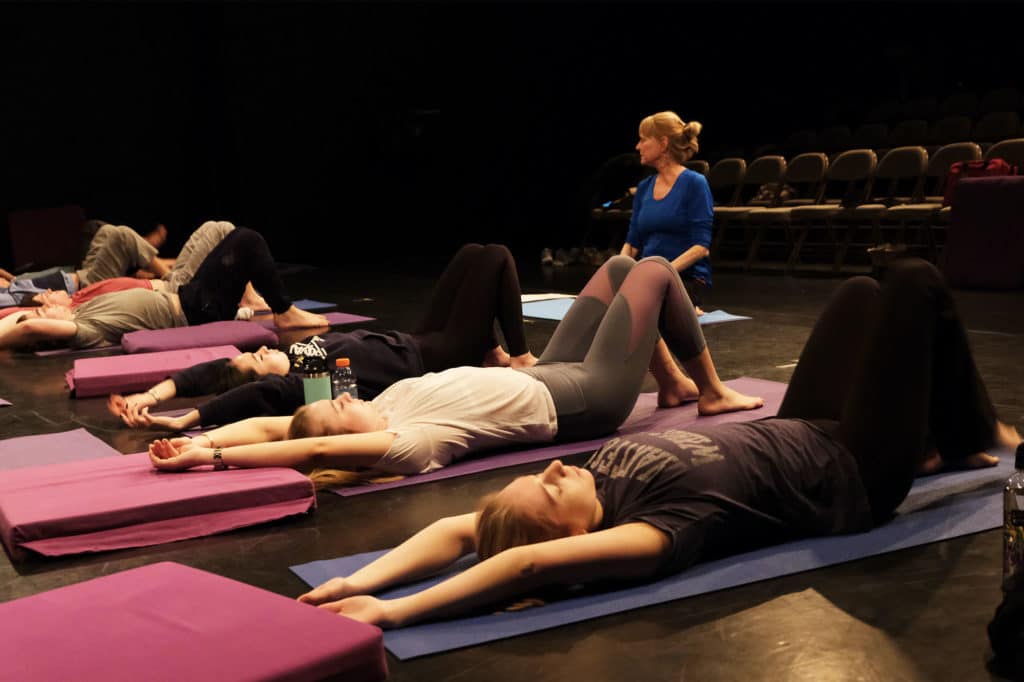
1013, 521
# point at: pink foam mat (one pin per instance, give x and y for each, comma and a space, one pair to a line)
133, 373
117, 502
646, 416
172, 622
230, 332
52, 448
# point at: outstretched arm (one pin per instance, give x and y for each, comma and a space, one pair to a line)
15, 334
129, 408
252, 430
344, 451
633, 550
425, 553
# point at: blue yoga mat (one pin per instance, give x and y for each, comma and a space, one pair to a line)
311, 305
938, 508
555, 309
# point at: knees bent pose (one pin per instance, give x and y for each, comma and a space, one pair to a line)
884, 375
586, 383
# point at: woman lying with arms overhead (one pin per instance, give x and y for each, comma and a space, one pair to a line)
584, 386
479, 285
885, 388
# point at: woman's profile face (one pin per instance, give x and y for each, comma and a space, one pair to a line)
345, 414
651, 149
563, 494
264, 361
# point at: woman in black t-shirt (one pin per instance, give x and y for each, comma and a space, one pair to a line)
885, 388
479, 285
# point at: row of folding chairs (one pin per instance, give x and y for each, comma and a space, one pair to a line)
831, 202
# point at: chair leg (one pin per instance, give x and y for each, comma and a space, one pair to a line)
797, 244
843, 247
755, 247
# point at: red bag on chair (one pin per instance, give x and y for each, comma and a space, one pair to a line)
973, 169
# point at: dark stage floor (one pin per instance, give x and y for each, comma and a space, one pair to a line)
918, 614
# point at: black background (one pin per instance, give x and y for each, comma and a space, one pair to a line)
390, 132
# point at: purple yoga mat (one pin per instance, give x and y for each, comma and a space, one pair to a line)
334, 318
118, 502
4, 403
171, 622
227, 333
646, 416
52, 448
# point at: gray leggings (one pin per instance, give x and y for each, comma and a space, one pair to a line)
595, 363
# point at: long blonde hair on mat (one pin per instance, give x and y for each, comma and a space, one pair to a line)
303, 425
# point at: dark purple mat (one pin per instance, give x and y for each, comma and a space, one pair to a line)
52, 448
645, 417
334, 318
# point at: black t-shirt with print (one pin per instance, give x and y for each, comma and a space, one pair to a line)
379, 359
729, 488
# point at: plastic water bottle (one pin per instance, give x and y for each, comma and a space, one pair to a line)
309, 360
1013, 521
343, 380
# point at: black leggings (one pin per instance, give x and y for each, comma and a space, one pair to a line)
479, 285
241, 257
893, 366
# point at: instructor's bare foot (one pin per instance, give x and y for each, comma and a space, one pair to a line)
726, 400
681, 390
294, 318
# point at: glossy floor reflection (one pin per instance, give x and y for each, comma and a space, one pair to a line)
918, 614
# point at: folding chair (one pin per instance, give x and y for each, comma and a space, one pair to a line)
848, 184
725, 178
806, 175
765, 170
928, 214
